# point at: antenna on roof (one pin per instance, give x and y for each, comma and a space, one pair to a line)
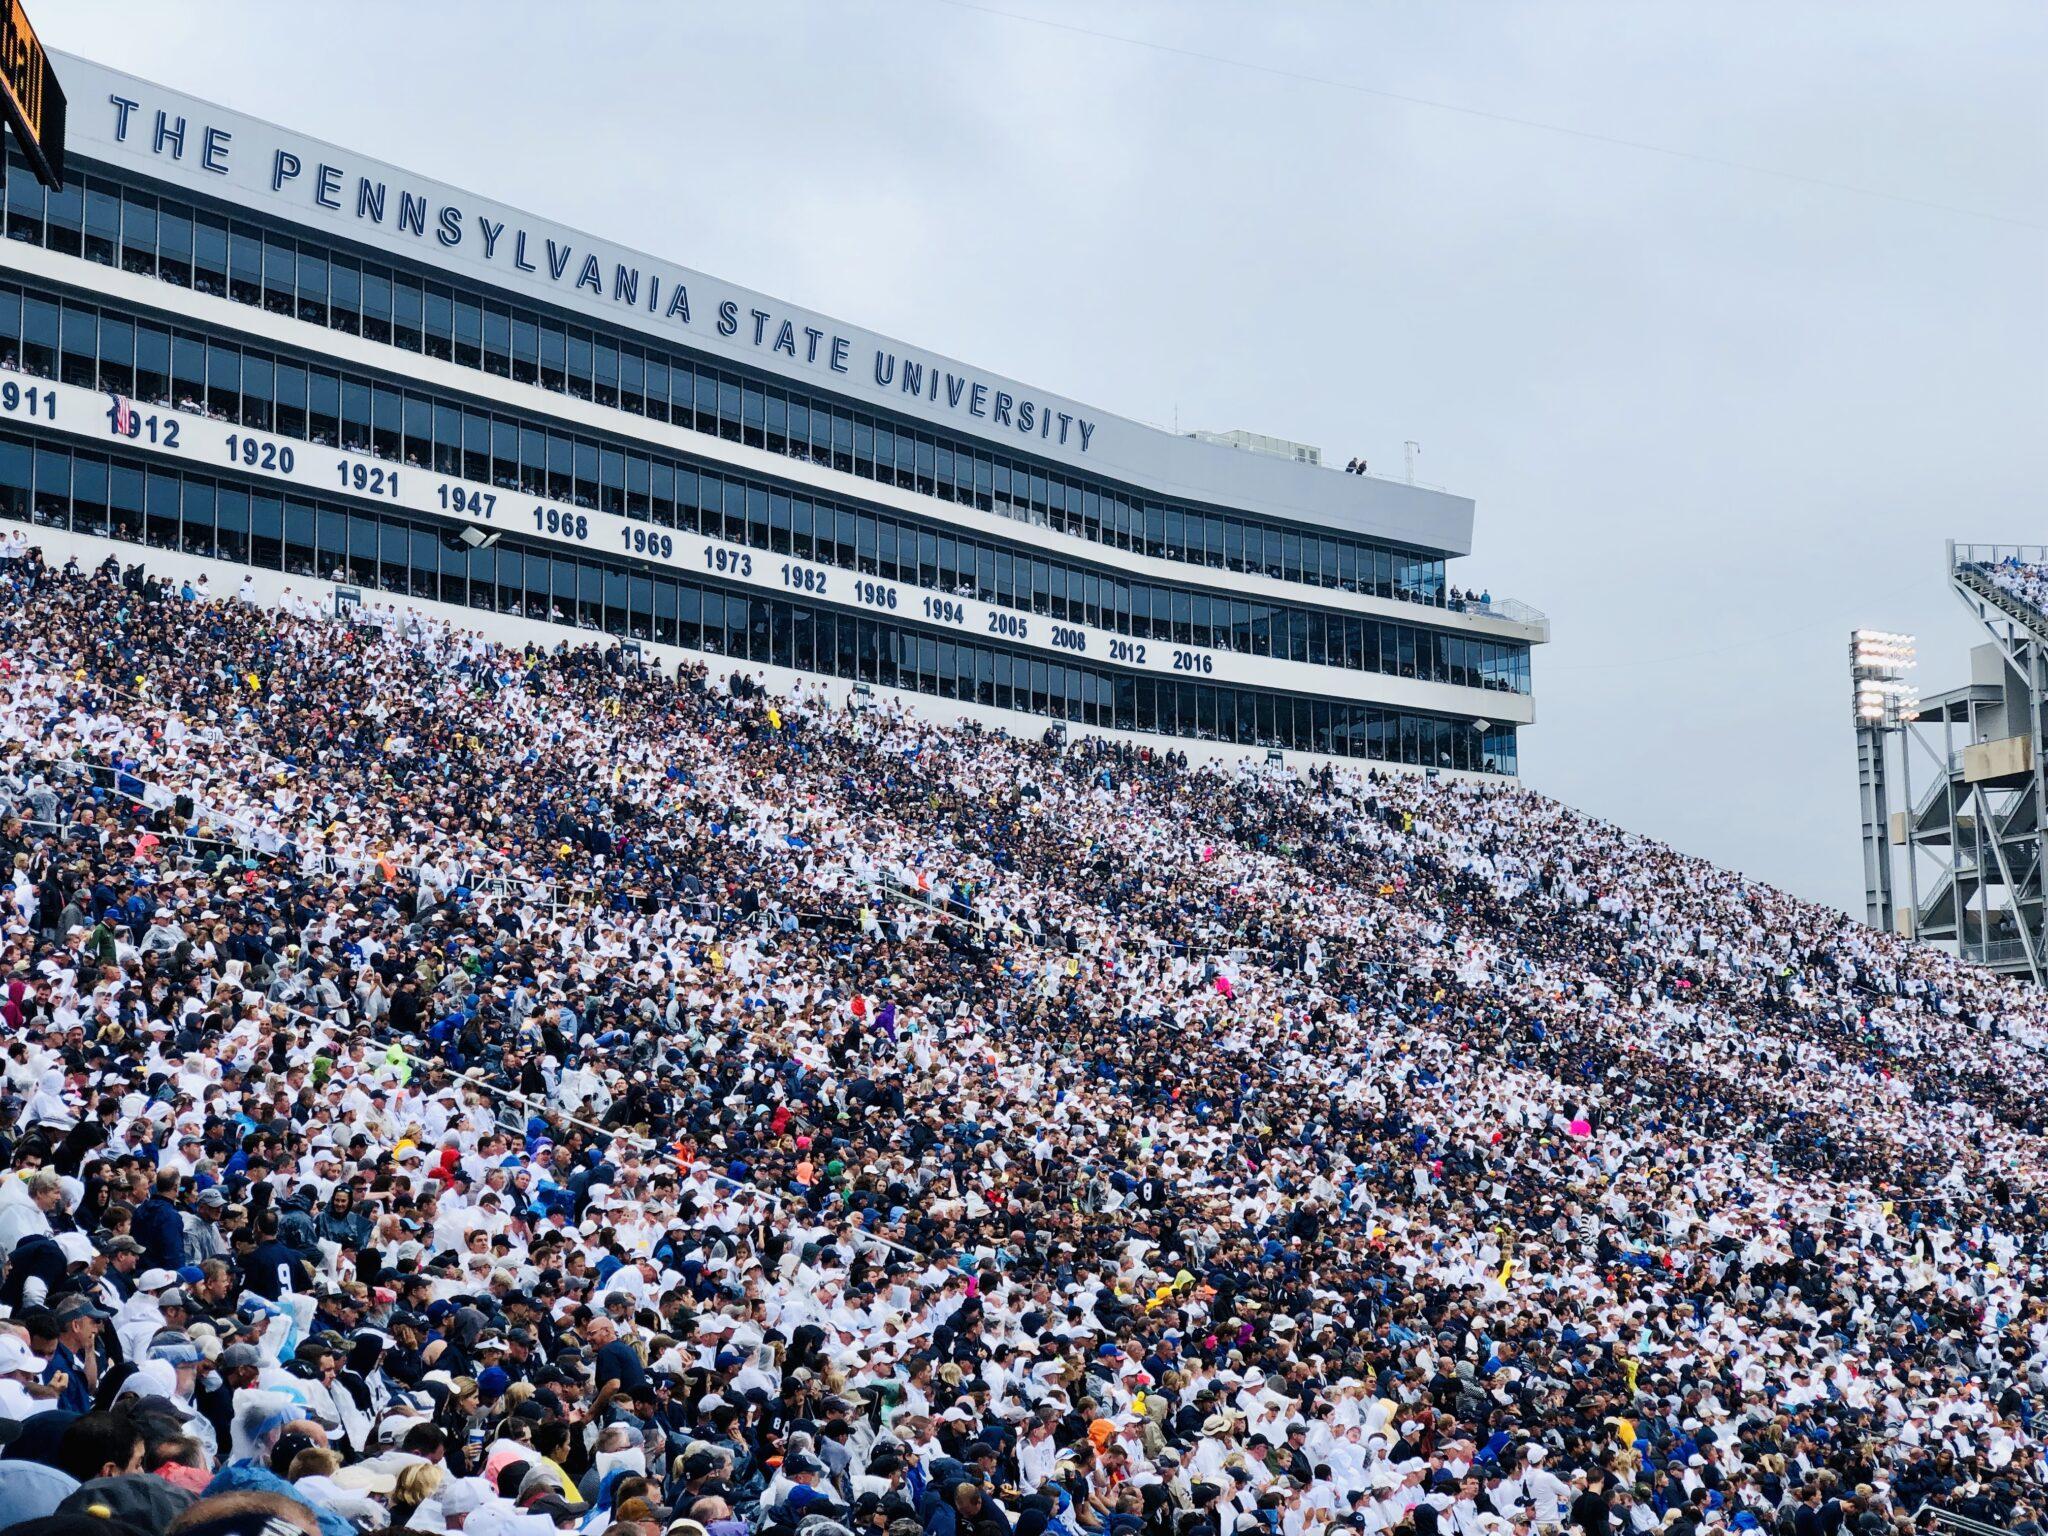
1409, 451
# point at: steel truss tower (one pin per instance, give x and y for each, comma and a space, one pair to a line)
1980, 829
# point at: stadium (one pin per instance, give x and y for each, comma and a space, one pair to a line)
632, 910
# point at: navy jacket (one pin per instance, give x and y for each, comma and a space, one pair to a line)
160, 1229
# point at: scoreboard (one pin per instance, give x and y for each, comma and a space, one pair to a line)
29, 91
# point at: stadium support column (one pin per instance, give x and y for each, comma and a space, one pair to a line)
1877, 854
1885, 702
1912, 855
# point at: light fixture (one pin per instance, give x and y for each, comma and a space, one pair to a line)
1879, 660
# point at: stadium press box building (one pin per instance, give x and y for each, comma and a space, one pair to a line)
230, 348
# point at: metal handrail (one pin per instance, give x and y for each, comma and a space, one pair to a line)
1994, 951
1993, 554
1948, 1519
1510, 608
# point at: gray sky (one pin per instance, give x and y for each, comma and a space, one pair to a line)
1713, 417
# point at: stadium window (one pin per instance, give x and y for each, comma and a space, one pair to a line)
16, 476
124, 501
497, 340
753, 414
139, 239
805, 628
89, 494
690, 616
560, 467
664, 480
280, 275
164, 498
259, 390
838, 644
553, 350
720, 624
363, 527
637, 477
245, 265
39, 337
525, 354
345, 295
530, 475
577, 363
632, 381
756, 531
223, 395
323, 407
416, 427
330, 553
858, 541
667, 601
692, 490
694, 398
483, 578
543, 600
617, 610
738, 628
387, 422
725, 394
66, 217
906, 461
455, 430
710, 502
392, 553
266, 531
809, 431
639, 607
102, 221
408, 302
842, 442
231, 509
869, 657
659, 382
310, 290
24, 203
376, 303
78, 362
438, 321
152, 364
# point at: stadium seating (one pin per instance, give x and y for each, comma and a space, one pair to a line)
566, 1089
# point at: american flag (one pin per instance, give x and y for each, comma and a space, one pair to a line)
122, 416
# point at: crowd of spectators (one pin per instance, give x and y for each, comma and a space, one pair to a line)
2023, 579
450, 1087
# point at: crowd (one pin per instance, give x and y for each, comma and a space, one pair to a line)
2021, 578
449, 1087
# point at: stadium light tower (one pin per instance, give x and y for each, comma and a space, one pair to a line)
1884, 703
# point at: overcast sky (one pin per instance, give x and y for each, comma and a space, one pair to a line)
1727, 315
